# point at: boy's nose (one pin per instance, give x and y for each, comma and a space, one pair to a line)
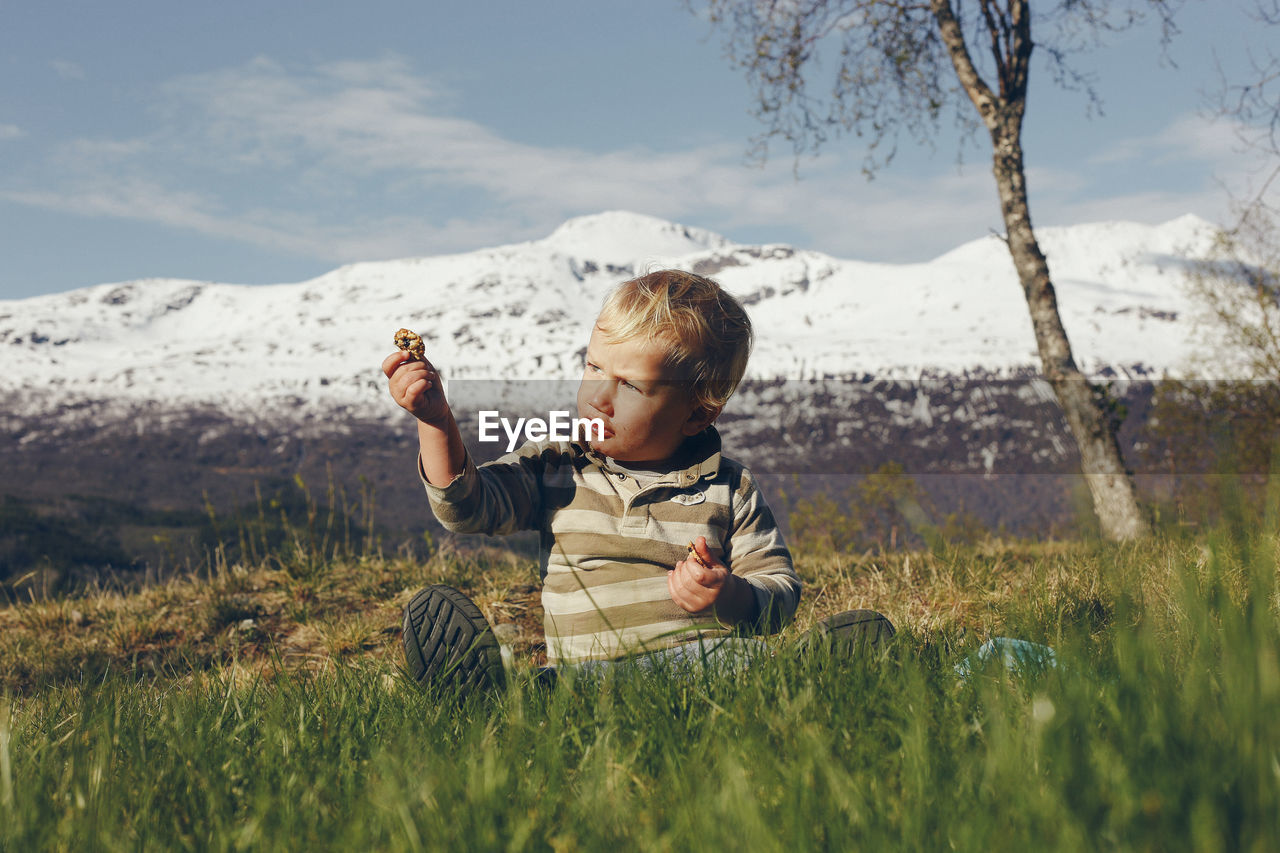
600, 396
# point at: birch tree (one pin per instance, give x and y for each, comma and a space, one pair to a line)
900, 68
1240, 287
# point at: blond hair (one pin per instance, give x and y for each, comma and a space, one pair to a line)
707, 331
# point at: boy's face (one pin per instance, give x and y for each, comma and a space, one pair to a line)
646, 415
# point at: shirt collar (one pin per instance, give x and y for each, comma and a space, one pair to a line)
701, 454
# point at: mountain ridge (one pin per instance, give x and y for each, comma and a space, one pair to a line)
521, 311
138, 399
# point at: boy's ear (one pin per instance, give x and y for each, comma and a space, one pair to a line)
701, 418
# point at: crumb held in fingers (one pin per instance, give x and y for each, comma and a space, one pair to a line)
693, 555
410, 343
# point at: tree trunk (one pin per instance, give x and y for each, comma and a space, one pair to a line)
1114, 497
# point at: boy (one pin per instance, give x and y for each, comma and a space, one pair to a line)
616, 513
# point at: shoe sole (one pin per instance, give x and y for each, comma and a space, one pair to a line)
851, 630
447, 640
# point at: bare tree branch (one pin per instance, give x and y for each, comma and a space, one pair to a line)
900, 65
970, 80
997, 26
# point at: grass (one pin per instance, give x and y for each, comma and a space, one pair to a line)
252, 708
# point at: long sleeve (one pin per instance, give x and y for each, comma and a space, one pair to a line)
760, 557
497, 498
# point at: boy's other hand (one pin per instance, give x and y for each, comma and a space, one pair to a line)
415, 386
697, 588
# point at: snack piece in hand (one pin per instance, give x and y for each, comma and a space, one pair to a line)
412, 344
693, 555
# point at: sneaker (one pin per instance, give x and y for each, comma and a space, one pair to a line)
849, 632
447, 640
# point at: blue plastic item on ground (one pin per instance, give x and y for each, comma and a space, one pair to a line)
1017, 656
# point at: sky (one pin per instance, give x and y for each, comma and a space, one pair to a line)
271, 141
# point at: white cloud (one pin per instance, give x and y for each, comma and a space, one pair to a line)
1216, 149
148, 202
1189, 136
11, 131
1219, 144
376, 126
327, 149
296, 232
67, 70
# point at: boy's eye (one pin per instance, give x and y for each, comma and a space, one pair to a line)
595, 368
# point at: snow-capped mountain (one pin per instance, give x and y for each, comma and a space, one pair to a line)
144, 404
523, 312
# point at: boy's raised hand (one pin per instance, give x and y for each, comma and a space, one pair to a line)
415, 386
697, 588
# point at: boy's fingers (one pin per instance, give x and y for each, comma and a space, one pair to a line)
700, 546
677, 585
398, 359
697, 576
404, 377
684, 592
401, 381
682, 576
391, 362
416, 388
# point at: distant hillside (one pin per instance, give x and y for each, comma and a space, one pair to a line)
156, 396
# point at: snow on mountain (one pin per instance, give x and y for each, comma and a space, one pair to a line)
629, 238
523, 311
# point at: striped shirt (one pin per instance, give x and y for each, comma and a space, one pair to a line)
607, 542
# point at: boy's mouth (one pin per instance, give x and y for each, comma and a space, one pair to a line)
608, 430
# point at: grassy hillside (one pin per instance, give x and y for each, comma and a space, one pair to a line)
262, 706
295, 610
